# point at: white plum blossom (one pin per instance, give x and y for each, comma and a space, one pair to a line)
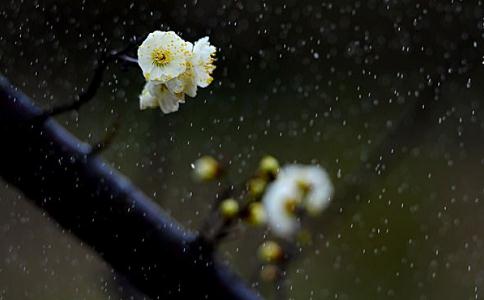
298, 188
163, 56
316, 183
158, 95
200, 66
279, 201
173, 68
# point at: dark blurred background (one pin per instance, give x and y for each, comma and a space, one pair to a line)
306, 81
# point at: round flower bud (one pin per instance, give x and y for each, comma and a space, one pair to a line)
257, 187
269, 273
206, 168
256, 214
229, 208
269, 165
270, 252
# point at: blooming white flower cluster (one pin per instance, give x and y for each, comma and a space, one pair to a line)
297, 189
173, 68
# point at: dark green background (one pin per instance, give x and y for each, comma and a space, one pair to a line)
306, 81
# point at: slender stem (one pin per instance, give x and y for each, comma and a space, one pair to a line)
281, 284
88, 94
128, 59
95, 83
214, 228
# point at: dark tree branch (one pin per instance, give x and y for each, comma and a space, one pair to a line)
103, 209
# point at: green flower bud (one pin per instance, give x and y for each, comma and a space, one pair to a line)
256, 214
206, 168
269, 273
269, 165
257, 186
229, 208
270, 252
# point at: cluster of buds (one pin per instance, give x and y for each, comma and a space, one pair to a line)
271, 255
266, 173
275, 196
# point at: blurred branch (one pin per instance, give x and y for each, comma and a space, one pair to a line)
406, 134
281, 284
108, 138
104, 210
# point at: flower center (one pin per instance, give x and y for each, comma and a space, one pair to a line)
291, 205
304, 186
160, 57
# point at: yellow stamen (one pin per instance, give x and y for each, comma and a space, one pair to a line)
291, 205
304, 186
160, 57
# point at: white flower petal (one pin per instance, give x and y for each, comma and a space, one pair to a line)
202, 61
146, 100
202, 50
163, 56
322, 190
158, 95
169, 103
308, 186
281, 222
144, 55
175, 85
186, 82
318, 181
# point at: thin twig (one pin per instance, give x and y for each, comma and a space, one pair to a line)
281, 284
290, 254
128, 59
89, 93
214, 228
104, 60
